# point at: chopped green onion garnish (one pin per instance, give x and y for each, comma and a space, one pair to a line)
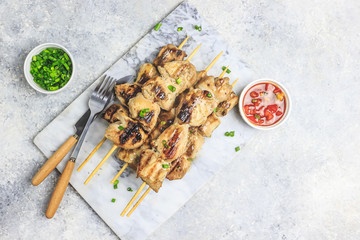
116, 184
165, 166
172, 88
121, 128
129, 189
165, 144
143, 111
227, 71
198, 28
232, 133
179, 29
227, 134
157, 27
215, 110
237, 149
209, 95
113, 200
178, 81
162, 122
257, 116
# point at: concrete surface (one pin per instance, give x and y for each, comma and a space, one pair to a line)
300, 181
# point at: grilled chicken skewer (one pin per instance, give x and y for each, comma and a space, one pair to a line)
166, 69
149, 159
135, 132
183, 164
146, 71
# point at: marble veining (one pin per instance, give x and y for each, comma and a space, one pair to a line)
215, 153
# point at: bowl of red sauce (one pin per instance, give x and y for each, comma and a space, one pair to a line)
265, 104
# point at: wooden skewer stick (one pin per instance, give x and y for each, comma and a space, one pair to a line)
101, 163
183, 42
193, 53
133, 198
138, 202
223, 73
213, 62
91, 154
233, 84
119, 173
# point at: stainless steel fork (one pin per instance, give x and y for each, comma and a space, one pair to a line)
97, 103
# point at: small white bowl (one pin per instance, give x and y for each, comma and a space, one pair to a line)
288, 104
27, 64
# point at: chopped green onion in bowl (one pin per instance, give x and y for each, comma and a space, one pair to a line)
51, 69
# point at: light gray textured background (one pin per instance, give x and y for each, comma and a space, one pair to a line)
300, 181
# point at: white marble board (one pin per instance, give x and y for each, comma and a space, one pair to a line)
217, 152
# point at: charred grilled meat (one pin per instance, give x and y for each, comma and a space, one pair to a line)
179, 168
182, 73
146, 72
144, 110
211, 123
220, 87
181, 165
114, 113
195, 142
165, 119
124, 92
126, 133
160, 90
169, 53
172, 143
152, 169
132, 156
225, 106
195, 107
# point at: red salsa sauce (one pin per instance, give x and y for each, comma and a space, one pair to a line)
264, 104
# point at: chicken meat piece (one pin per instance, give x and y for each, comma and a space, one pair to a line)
195, 142
124, 92
162, 91
195, 107
172, 143
152, 169
200, 75
223, 89
146, 72
126, 133
211, 123
220, 87
182, 73
132, 156
144, 110
179, 168
165, 120
169, 53
224, 107
114, 113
